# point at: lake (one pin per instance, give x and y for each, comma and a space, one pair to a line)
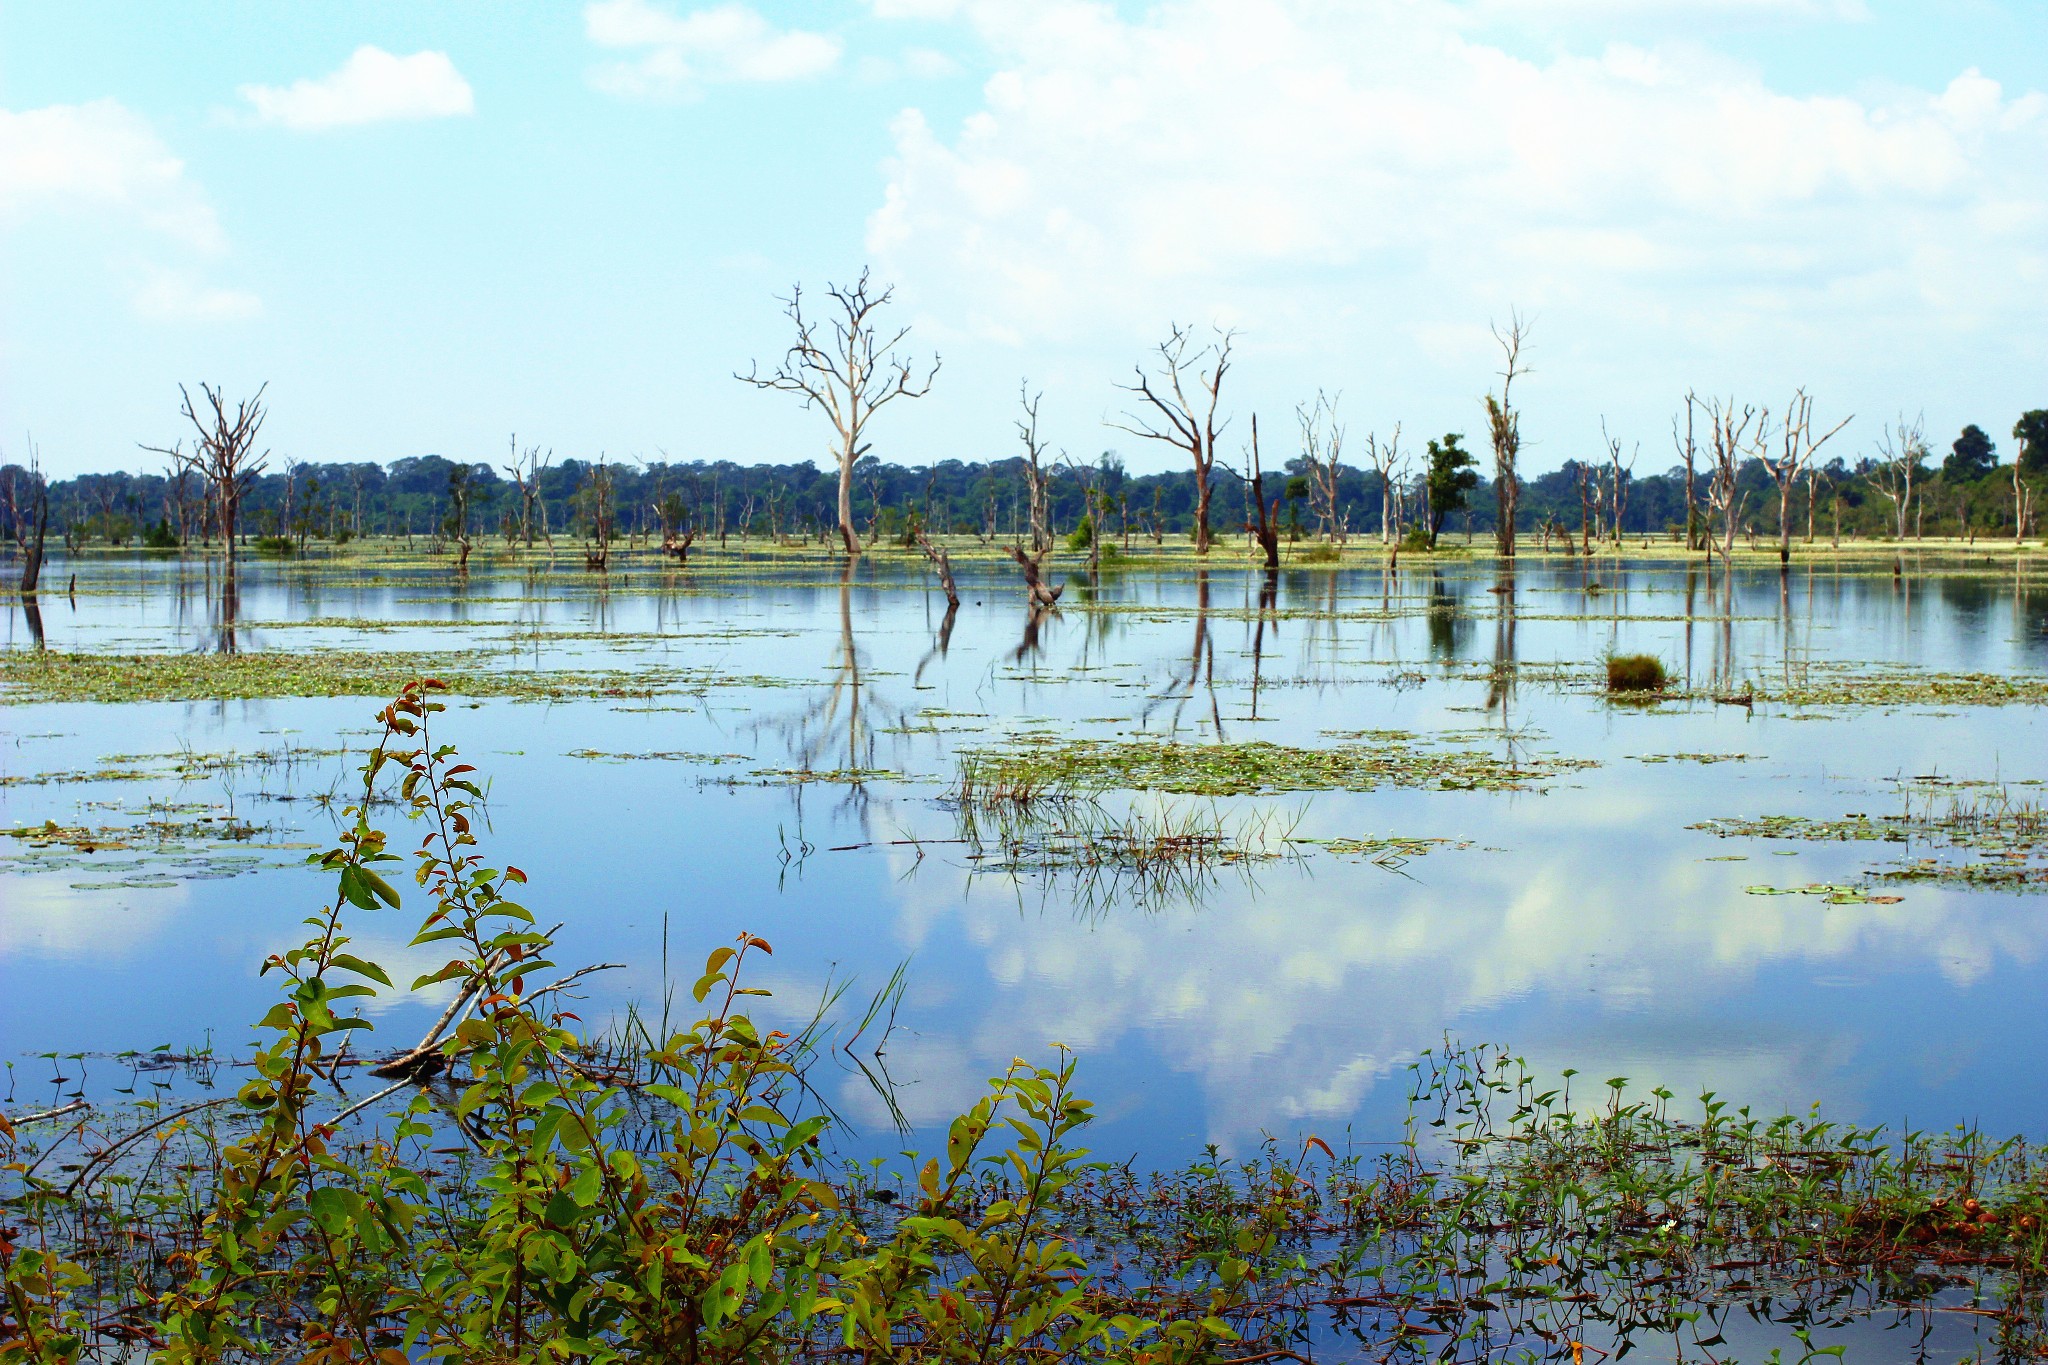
755, 744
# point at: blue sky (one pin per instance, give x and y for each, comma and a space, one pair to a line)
429, 226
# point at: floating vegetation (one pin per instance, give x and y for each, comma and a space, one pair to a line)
61, 677
2004, 842
1254, 766
663, 755
1694, 758
1832, 894
1826, 684
1391, 851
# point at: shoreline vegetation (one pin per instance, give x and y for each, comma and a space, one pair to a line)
513, 1189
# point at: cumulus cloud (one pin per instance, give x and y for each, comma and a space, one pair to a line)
677, 53
103, 165
1306, 167
102, 158
372, 86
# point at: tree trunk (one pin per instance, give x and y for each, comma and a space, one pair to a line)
846, 531
1201, 507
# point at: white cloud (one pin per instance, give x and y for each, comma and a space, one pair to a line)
728, 42
99, 157
102, 165
1334, 175
372, 86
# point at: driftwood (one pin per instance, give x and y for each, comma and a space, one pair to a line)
1041, 595
944, 565
679, 546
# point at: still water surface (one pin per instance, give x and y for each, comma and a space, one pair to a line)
1583, 923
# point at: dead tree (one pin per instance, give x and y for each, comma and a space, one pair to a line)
1167, 413
1795, 455
1322, 450
455, 526
1263, 526
1588, 484
1726, 431
846, 370
1034, 582
223, 457
526, 470
1688, 450
1386, 462
1901, 447
596, 496
944, 565
1036, 475
1620, 475
1504, 428
32, 525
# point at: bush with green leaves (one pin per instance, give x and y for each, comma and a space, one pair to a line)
569, 1238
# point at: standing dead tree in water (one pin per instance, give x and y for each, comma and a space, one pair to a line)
1036, 475
28, 505
1688, 450
1726, 431
526, 470
596, 499
846, 370
1504, 428
224, 456
1794, 456
1263, 525
455, 526
1178, 406
1322, 450
1034, 581
1901, 450
1620, 472
1387, 463
944, 564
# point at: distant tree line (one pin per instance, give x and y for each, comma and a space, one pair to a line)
1965, 490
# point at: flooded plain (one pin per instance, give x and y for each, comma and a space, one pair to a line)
1805, 876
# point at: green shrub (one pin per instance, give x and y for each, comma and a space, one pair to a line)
1319, 554
686, 1215
1083, 535
1636, 673
161, 536
1416, 540
274, 545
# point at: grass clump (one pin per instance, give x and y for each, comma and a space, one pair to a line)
1636, 673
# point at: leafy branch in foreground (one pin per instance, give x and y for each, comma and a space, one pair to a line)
573, 1231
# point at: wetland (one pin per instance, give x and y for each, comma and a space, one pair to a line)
1428, 999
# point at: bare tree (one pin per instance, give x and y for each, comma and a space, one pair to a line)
1901, 449
1688, 450
1262, 525
31, 516
1322, 450
1726, 431
1168, 413
846, 370
1386, 462
596, 497
1504, 427
1794, 455
1035, 586
1035, 473
1620, 474
526, 470
223, 456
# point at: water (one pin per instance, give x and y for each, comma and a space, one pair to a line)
1586, 924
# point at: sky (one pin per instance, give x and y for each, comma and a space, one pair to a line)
428, 227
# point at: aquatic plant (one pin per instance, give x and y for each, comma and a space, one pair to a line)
1636, 673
